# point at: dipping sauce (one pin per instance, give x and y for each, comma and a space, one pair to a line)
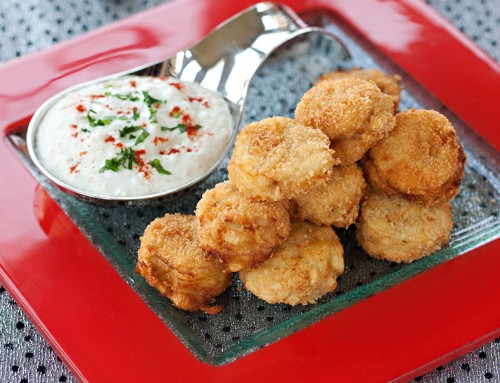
133, 136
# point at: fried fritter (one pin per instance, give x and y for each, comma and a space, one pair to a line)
278, 158
352, 112
335, 203
304, 268
172, 261
390, 85
392, 228
240, 231
421, 159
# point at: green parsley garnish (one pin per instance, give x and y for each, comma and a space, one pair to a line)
123, 97
157, 165
129, 129
142, 137
182, 128
93, 122
125, 158
106, 120
136, 115
150, 101
111, 164
132, 129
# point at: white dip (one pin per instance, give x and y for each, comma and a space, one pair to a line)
133, 136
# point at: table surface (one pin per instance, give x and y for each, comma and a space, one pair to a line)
31, 25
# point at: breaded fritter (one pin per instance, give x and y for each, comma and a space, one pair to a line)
392, 228
172, 261
278, 158
352, 112
390, 85
240, 231
421, 159
335, 203
304, 268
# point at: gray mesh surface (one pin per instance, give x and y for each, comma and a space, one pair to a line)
23, 346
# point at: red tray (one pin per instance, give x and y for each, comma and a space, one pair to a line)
105, 332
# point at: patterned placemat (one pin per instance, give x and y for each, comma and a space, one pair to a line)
31, 25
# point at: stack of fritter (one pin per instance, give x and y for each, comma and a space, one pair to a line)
291, 181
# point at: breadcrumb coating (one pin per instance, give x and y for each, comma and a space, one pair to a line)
278, 158
352, 112
172, 261
303, 269
240, 231
392, 228
390, 85
421, 159
336, 203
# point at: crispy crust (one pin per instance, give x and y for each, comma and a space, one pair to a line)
421, 159
240, 231
352, 112
392, 228
304, 268
278, 158
337, 202
390, 85
172, 261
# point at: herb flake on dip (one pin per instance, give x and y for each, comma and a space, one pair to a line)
133, 136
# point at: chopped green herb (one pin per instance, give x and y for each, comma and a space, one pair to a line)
142, 137
123, 97
149, 100
111, 164
106, 120
136, 115
85, 130
157, 165
152, 115
125, 158
93, 122
129, 129
182, 128
129, 158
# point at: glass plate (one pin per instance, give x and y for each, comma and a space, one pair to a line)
246, 323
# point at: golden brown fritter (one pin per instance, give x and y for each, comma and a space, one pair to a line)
421, 159
240, 231
278, 158
335, 203
304, 268
352, 112
392, 228
172, 261
390, 85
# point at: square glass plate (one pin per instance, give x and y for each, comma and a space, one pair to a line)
246, 323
